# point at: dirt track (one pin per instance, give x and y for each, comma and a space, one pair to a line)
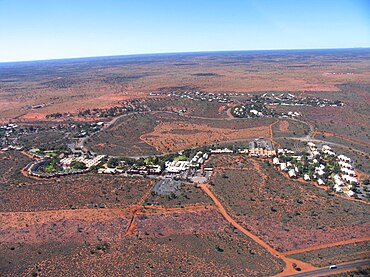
19, 219
326, 246
289, 269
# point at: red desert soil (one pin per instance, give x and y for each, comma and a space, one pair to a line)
168, 137
21, 219
74, 225
256, 192
272, 134
164, 224
110, 224
289, 262
33, 116
326, 246
283, 126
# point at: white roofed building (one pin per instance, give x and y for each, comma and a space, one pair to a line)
320, 182
345, 165
283, 166
177, 166
348, 171
338, 188
311, 145
349, 179
344, 158
292, 173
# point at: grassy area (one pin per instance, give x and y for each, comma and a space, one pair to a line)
181, 158
150, 161
51, 154
50, 168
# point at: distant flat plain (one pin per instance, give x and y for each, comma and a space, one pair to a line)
77, 84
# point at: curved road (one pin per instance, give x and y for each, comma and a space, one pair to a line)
82, 142
309, 137
289, 262
327, 271
308, 269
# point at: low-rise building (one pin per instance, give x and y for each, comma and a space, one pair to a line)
320, 182
344, 158
283, 166
327, 150
347, 171
177, 166
221, 151
319, 170
243, 151
349, 179
311, 145
325, 147
107, 170
345, 165
261, 152
292, 173
338, 180
338, 188
89, 162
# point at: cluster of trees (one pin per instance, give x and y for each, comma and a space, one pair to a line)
50, 165
331, 165
54, 115
78, 165
154, 160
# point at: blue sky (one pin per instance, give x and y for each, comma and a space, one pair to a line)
47, 29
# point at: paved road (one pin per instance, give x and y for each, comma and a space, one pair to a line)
327, 270
310, 138
82, 142
304, 139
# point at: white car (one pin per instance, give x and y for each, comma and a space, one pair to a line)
333, 266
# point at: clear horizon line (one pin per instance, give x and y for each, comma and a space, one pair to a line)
179, 52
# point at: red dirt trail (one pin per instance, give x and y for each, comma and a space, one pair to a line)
339, 243
289, 269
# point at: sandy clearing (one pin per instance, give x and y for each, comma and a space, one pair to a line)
283, 126
168, 137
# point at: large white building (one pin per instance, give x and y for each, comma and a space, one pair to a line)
88, 162
177, 166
